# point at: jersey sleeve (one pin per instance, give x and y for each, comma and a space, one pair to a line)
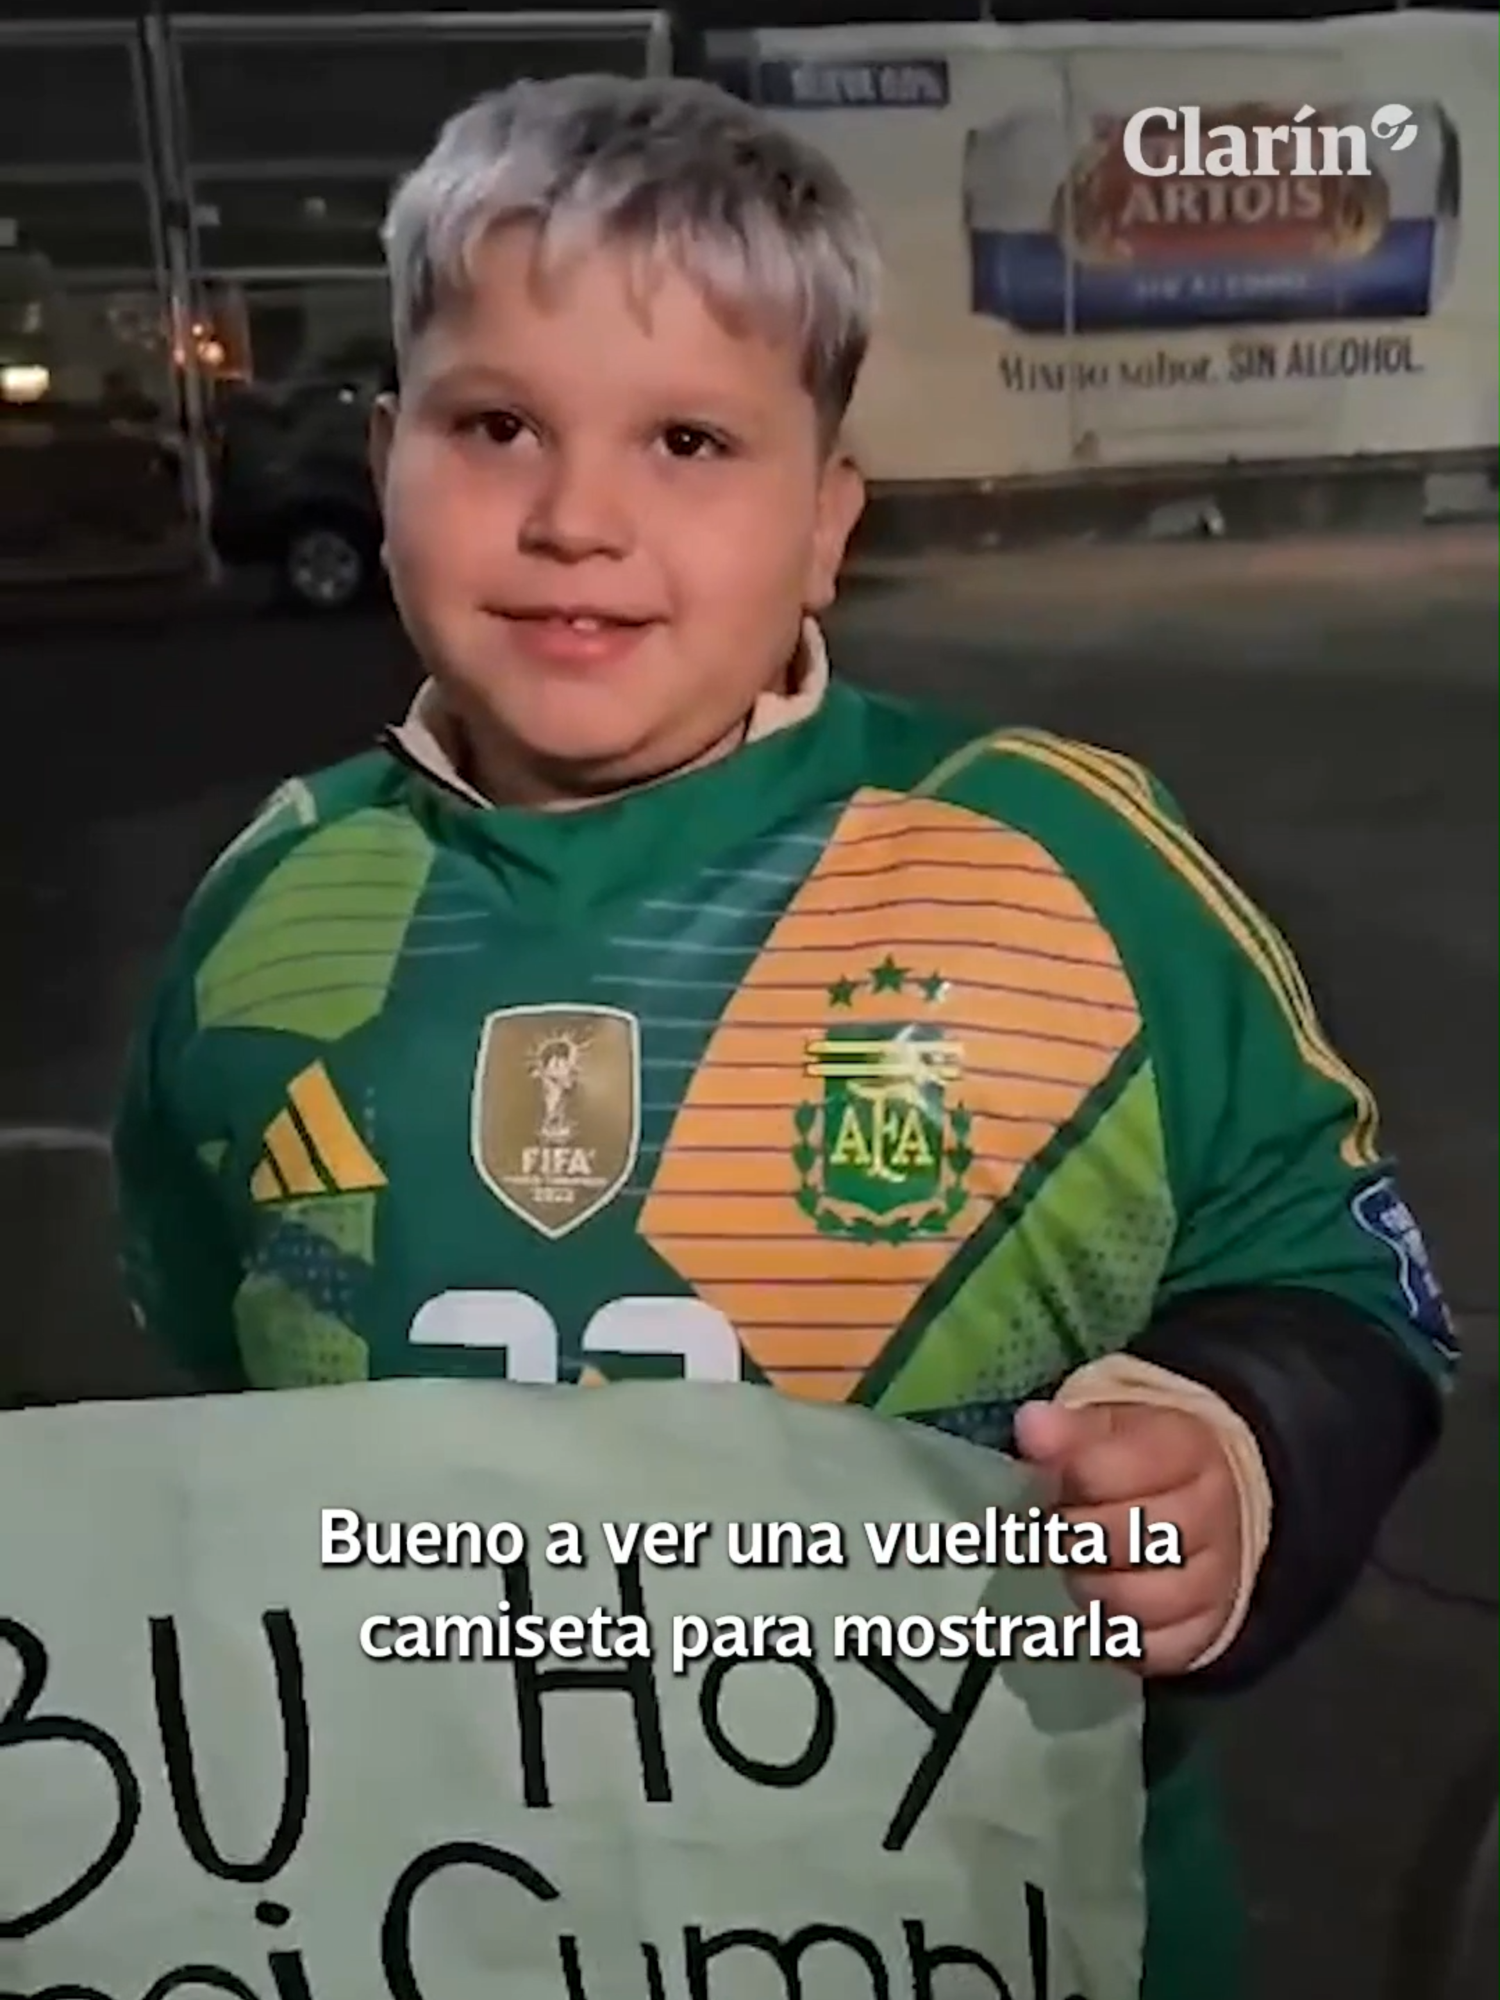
180, 1266
1273, 1152
181, 1255
1274, 1144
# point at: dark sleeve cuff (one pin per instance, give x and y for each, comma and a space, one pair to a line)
1342, 1418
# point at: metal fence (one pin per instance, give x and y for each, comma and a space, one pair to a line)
191, 201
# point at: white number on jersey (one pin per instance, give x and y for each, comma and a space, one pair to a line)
519, 1326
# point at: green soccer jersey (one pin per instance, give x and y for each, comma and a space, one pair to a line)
877, 1063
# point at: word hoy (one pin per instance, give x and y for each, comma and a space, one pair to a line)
1026, 1540
1151, 148
149, 1784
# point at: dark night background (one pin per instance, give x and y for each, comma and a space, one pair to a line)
1327, 709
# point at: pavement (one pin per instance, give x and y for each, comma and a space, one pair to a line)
1325, 710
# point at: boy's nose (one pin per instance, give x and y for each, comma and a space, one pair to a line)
576, 512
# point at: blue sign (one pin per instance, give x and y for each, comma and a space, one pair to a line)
1023, 277
852, 86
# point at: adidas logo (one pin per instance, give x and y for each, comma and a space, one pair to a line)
312, 1148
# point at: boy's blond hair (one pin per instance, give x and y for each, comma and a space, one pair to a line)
762, 222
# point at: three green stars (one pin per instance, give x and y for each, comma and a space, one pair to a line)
888, 977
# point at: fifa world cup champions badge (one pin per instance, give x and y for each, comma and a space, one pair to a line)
556, 1112
1158, 217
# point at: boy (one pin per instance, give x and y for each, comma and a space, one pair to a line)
644, 980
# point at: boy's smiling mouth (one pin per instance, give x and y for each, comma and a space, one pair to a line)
574, 635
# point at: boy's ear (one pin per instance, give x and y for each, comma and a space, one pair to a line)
841, 502
382, 429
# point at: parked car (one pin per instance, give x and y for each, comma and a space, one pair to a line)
86, 496
91, 474
293, 493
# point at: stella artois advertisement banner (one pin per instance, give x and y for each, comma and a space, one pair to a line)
1052, 306
473, 1691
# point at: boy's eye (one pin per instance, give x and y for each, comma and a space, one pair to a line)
691, 441
493, 426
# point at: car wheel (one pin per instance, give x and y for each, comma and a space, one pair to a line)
328, 566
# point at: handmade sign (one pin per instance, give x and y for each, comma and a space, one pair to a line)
447, 1691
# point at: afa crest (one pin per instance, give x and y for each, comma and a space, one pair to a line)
882, 1154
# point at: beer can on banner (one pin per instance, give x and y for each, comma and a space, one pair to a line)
1063, 232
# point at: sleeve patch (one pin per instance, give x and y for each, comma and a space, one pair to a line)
1381, 1213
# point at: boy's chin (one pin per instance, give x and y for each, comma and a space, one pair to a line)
581, 742
579, 758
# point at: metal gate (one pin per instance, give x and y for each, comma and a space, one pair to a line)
85, 359
281, 138
190, 202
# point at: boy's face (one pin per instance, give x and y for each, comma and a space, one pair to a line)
606, 515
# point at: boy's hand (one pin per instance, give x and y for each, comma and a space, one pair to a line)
1111, 1457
